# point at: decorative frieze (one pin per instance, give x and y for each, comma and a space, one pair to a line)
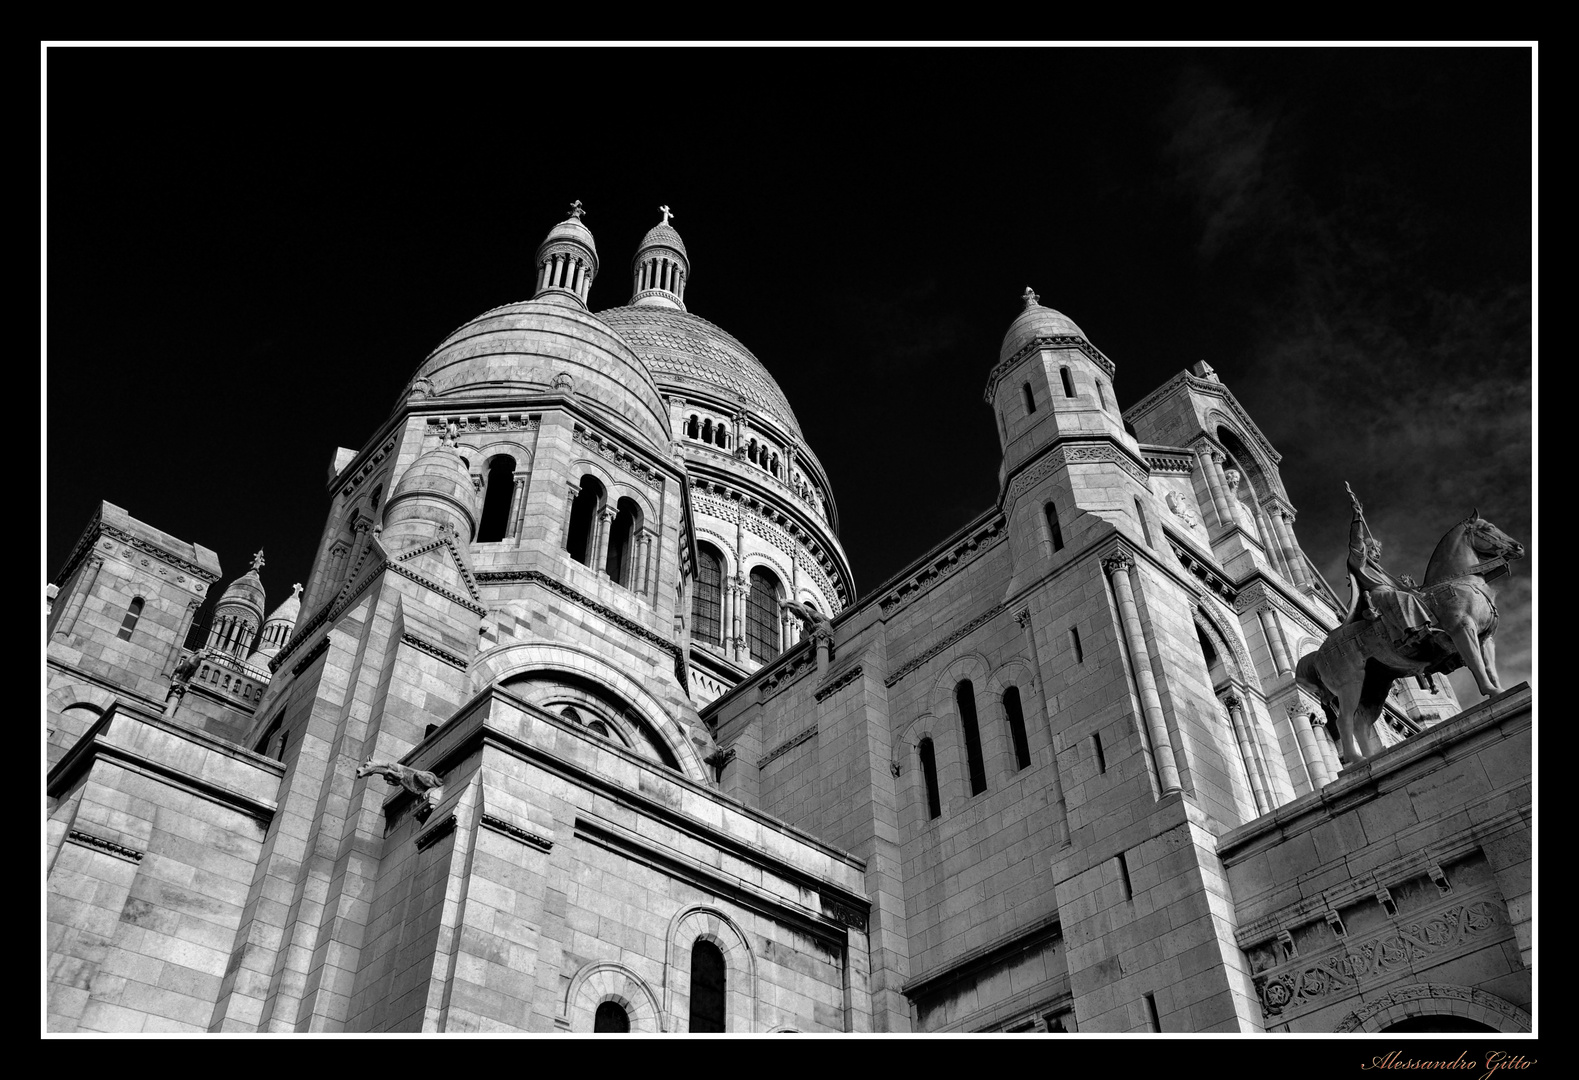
454, 660
921, 658
789, 671
1208, 574
367, 468
1403, 947
312, 654
761, 519
1259, 593
472, 425
436, 833
842, 913
520, 835
109, 847
1095, 452
1168, 459
837, 682
617, 455
107, 536
944, 565
1518, 1019
786, 746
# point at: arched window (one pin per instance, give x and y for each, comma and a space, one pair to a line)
1030, 399
721, 436
376, 498
611, 1019
1016, 718
707, 987
965, 699
598, 727
775, 465
694, 428
1069, 384
622, 549
583, 513
706, 600
499, 489
929, 773
569, 713
762, 615
134, 611
1054, 533
707, 431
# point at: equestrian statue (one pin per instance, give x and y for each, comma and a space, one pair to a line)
1395, 628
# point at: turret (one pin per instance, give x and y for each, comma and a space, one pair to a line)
434, 496
661, 269
239, 613
567, 259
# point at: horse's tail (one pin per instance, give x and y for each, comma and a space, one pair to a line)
1307, 675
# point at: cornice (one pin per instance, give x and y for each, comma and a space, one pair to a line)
786, 746
516, 833
1078, 450
922, 657
614, 452
943, 562
1036, 344
837, 682
109, 847
1209, 388
97, 528
454, 660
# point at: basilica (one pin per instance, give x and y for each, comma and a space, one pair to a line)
579, 725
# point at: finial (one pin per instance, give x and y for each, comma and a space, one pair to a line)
666, 212
575, 210
1029, 297
257, 560
296, 589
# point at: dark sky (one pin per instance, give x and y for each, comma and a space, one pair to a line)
248, 252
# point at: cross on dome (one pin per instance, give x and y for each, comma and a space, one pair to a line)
257, 560
1029, 297
575, 210
667, 214
296, 589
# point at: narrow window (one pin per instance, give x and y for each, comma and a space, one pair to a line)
929, 772
1016, 718
1054, 532
1152, 1018
1145, 526
1096, 746
965, 699
723, 436
1030, 399
1074, 643
611, 1019
707, 987
1069, 384
693, 429
500, 490
622, 530
134, 611
582, 512
762, 616
274, 727
706, 600
1123, 875
1101, 395
707, 431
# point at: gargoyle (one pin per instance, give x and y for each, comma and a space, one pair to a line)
426, 786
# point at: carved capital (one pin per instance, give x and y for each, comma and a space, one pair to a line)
1118, 562
1233, 700
1023, 617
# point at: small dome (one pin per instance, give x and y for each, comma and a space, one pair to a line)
290, 609
434, 493
571, 229
246, 589
1034, 322
663, 235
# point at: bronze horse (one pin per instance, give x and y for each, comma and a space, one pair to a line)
1353, 670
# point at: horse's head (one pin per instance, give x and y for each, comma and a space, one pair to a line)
1487, 539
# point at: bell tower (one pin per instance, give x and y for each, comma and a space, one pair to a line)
1066, 455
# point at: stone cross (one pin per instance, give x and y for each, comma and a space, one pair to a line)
575, 210
257, 560
667, 214
296, 589
1029, 297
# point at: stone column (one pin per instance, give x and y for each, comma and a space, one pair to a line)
1274, 639
517, 506
1119, 567
1283, 522
1247, 750
737, 592
570, 512
1324, 743
647, 539
1024, 619
1212, 466
600, 562
1299, 715
80, 596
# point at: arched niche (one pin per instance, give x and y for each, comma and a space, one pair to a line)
700, 922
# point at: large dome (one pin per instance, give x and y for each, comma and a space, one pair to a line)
682, 349
532, 346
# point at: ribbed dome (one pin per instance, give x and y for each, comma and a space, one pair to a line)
534, 346
290, 609
663, 235
1034, 322
684, 351
246, 589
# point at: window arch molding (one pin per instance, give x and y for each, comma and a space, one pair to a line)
994, 739
1228, 645
1435, 998
1015, 672
608, 980
573, 661
700, 922
1261, 471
